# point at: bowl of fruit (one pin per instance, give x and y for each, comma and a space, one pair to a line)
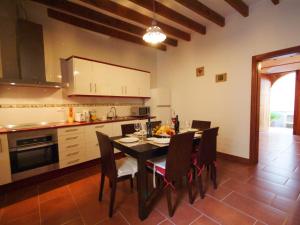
163, 131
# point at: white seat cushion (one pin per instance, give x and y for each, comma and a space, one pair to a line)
158, 165
126, 166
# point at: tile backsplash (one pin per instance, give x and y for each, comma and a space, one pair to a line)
29, 105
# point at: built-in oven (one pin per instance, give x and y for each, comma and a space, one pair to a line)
33, 152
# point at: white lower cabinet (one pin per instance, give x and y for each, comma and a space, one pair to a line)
5, 172
92, 146
79, 144
71, 146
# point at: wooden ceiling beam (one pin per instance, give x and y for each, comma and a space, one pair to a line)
239, 6
275, 2
171, 14
203, 11
99, 17
67, 18
135, 16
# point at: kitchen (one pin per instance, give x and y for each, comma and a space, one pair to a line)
165, 81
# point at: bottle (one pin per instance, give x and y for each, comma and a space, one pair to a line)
176, 126
149, 128
70, 115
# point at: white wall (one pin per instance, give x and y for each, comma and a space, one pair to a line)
61, 41
228, 49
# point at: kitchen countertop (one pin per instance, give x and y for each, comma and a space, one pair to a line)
41, 126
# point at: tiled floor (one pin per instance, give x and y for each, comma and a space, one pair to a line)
267, 193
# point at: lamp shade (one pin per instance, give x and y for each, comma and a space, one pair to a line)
154, 35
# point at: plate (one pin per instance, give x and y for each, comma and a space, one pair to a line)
192, 129
128, 139
162, 140
197, 135
151, 139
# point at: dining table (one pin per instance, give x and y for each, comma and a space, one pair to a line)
142, 151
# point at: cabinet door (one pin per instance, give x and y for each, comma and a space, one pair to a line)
118, 81
5, 176
82, 75
131, 84
93, 151
144, 85
102, 79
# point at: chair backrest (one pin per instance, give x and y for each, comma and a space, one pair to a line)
108, 163
178, 160
127, 129
201, 125
208, 146
154, 124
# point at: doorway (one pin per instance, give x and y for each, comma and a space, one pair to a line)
256, 97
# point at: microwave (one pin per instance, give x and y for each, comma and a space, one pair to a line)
140, 111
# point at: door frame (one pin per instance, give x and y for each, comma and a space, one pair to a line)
255, 98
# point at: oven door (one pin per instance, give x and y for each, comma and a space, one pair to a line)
28, 158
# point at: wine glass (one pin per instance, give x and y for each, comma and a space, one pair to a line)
137, 127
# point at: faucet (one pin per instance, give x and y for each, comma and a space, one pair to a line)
111, 111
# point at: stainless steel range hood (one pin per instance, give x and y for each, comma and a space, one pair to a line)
30, 54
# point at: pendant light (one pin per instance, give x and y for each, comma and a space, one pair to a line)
154, 35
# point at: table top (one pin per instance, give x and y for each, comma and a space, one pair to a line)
145, 149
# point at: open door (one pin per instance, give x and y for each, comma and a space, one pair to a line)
297, 105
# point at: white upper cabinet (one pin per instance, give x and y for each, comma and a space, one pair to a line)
88, 77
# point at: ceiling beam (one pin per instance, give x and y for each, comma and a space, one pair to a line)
171, 14
99, 28
135, 16
275, 2
203, 11
239, 6
99, 17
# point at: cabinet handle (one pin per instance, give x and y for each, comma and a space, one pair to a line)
73, 161
95, 87
1, 145
72, 146
71, 138
100, 126
122, 90
71, 130
90, 87
126, 90
73, 153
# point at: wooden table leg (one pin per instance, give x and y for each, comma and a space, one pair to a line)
142, 189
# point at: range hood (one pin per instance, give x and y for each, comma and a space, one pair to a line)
31, 60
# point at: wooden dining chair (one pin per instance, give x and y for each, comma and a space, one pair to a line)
206, 156
154, 124
127, 129
200, 124
116, 171
175, 166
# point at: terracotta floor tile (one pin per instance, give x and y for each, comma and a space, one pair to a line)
271, 177
283, 204
32, 219
249, 190
281, 190
222, 213
91, 210
117, 219
256, 209
59, 210
204, 220
52, 189
130, 211
184, 212
77, 221
219, 193
20, 209
83, 186
166, 222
